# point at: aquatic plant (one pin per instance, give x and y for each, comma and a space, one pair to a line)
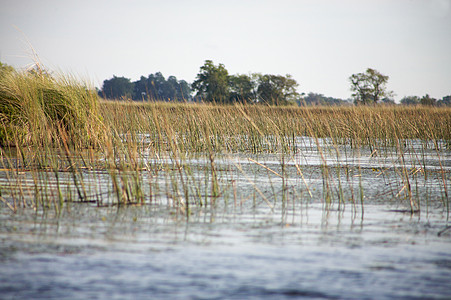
33, 104
182, 155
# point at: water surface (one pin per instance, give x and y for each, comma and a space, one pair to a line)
306, 235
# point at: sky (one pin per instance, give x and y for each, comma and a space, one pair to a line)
319, 42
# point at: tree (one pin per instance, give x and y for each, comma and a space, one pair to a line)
277, 89
184, 91
427, 100
212, 83
446, 101
156, 87
369, 87
243, 88
117, 87
410, 100
320, 99
388, 101
179, 89
140, 89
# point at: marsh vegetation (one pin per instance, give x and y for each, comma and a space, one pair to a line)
134, 166
61, 145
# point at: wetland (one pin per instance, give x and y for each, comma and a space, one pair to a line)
208, 201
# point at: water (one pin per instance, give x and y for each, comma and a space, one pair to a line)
315, 244
148, 252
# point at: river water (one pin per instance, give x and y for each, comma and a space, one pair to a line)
148, 252
250, 245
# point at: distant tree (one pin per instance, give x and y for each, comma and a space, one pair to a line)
117, 87
410, 100
212, 83
427, 100
183, 91
369, 87
140, 89
388, 101
243, 88
320, 99
277, 89
156, 87
446, 101
179, 90
313, 99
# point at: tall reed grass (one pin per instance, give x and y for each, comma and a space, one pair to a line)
261, 128
33, 104
61, 144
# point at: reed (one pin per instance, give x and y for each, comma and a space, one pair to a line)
260, 128
78, 148
34, 104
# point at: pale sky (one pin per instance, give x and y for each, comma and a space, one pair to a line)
319, 42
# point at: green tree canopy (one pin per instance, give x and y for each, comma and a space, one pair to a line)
369, 87
388, 101
320, 99
446, 101
141, 89
117, 87
243, 88
212, 83
410, 100
154, 87
181, 88
277, 89
427, 100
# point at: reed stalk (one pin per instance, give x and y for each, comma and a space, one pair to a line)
144, 150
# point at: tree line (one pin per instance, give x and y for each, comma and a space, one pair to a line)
153, 87
426, 100
214, 84
370, 88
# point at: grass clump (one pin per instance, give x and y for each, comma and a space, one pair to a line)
35, 106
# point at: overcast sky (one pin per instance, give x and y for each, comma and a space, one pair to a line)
319, 42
